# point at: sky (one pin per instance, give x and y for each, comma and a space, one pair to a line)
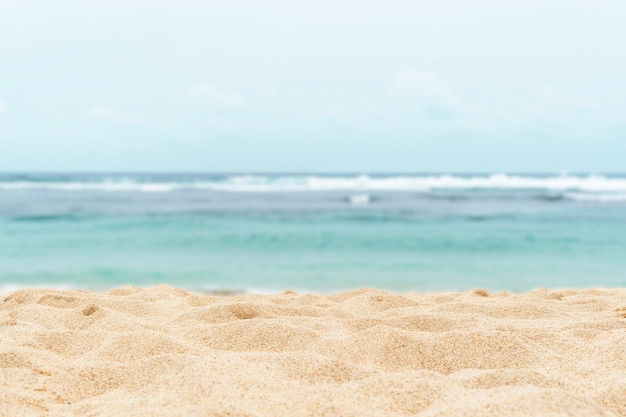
326, 86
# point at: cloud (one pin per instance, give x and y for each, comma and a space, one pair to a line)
415, 83
559, 108
120, 117
206, 90
407, 82
3, 107
430, 94
583, 103
551, 96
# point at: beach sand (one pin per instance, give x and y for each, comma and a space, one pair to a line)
167, 352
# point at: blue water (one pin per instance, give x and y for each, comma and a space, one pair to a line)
239, 232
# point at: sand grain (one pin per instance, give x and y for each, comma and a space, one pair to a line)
167, 352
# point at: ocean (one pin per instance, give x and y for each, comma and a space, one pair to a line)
312, 232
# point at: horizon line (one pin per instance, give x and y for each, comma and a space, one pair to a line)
313, 172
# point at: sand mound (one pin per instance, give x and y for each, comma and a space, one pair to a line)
167, 352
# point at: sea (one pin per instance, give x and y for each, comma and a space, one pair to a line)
264, 233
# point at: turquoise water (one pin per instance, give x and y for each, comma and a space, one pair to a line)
318, 233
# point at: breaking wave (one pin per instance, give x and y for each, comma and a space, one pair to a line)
361, 183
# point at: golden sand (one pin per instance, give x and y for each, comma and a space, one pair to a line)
167, 352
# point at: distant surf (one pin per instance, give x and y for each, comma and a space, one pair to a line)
317, 232
283, 183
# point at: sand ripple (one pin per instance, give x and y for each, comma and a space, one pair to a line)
167, 352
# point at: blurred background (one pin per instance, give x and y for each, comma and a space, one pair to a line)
410, 146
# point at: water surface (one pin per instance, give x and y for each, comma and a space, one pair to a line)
403, 232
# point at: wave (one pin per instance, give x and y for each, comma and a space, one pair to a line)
362, 183
91, 186
11, 287
603, 197
42, 218
7, 288
359, 199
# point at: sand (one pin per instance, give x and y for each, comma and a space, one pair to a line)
167, 352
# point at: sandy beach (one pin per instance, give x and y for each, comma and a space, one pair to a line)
167, 352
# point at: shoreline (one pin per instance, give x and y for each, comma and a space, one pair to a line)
165, 351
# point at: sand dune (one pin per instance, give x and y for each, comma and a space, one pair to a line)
167, 352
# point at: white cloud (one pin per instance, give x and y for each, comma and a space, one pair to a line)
584, 103
101, 112
3, 107
415, 83
110, 115
213, 93
560, 105
407, 82
432, 95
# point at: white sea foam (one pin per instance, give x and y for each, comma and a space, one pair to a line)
362, 183
601, 197
10, 287
90, 186
359, 199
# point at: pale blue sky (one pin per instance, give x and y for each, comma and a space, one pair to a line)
327, 86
